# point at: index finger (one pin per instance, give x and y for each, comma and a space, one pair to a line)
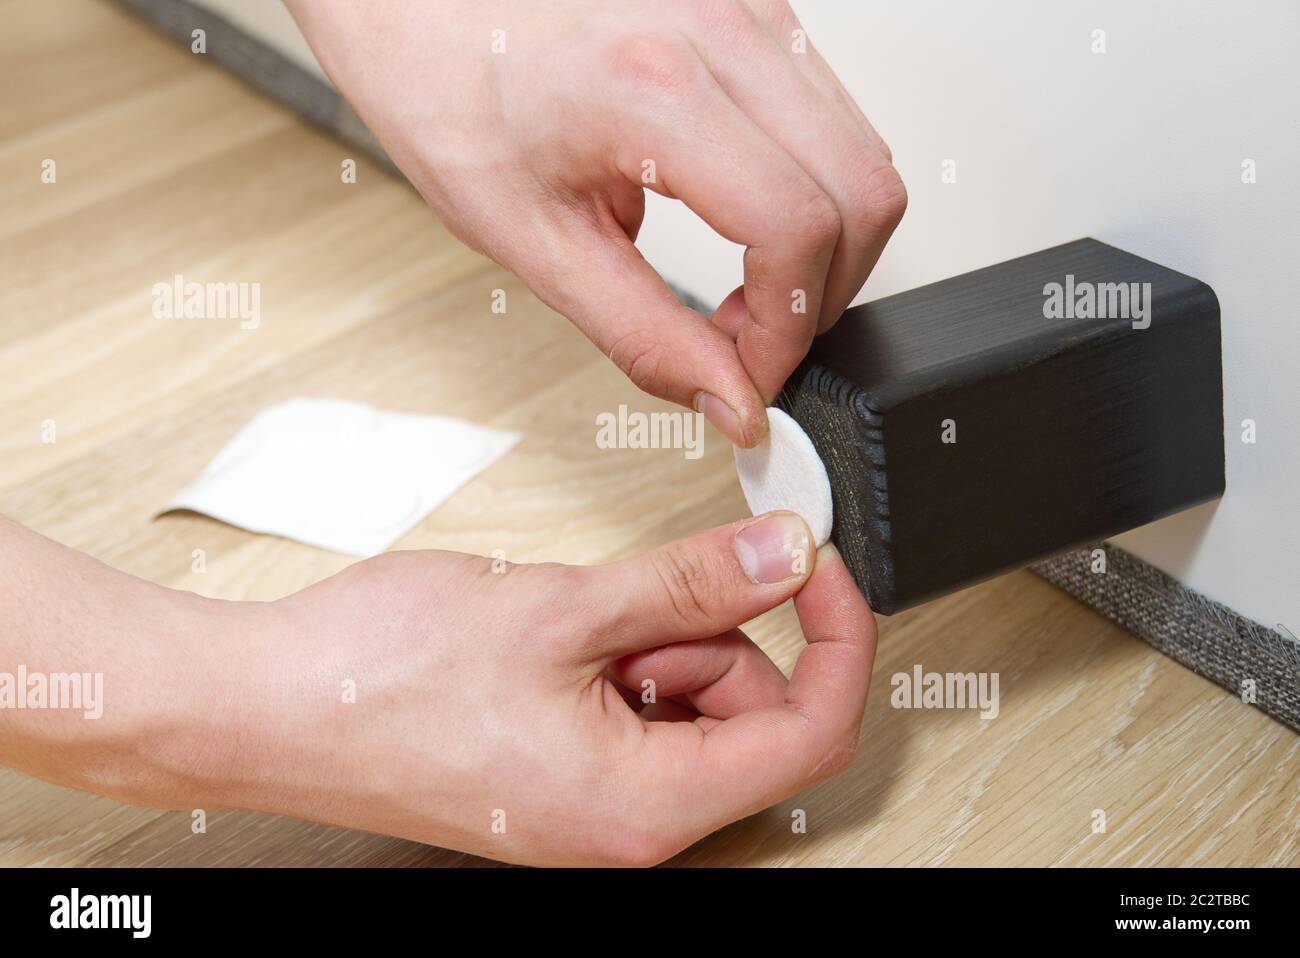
748, 188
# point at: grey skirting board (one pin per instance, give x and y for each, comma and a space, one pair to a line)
1207, 637
1203, 635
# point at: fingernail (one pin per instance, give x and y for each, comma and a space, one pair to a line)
830, 551
723, 418
727, 422
774, 548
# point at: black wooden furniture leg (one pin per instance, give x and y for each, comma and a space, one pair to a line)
986, 421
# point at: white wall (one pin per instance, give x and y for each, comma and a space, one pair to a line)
1141, 147
270, 21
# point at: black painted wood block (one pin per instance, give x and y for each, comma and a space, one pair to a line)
978, 424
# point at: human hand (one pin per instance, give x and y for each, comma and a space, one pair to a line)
499, 711
533, 129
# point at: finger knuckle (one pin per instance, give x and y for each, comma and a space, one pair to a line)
641, 356
838, 757
778, 13
881, 200
725, 18
818, 221
652, 62
687, 584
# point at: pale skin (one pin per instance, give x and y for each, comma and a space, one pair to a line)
502, 709
519, 701
528, 126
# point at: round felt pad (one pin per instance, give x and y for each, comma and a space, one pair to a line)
785, 472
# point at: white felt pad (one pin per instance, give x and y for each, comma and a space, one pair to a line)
785, 472
340, 475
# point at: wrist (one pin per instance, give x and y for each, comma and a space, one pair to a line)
180, 719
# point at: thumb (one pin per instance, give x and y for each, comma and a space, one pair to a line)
600, 281
698, 587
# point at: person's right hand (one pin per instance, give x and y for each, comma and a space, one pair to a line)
498, 708
534, 128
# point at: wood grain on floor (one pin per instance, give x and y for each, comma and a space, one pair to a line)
166, 166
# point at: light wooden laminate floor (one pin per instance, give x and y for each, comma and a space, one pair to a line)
166, 165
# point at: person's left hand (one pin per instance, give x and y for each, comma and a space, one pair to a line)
500, 709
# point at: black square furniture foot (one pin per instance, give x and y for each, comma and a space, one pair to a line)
984, 422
